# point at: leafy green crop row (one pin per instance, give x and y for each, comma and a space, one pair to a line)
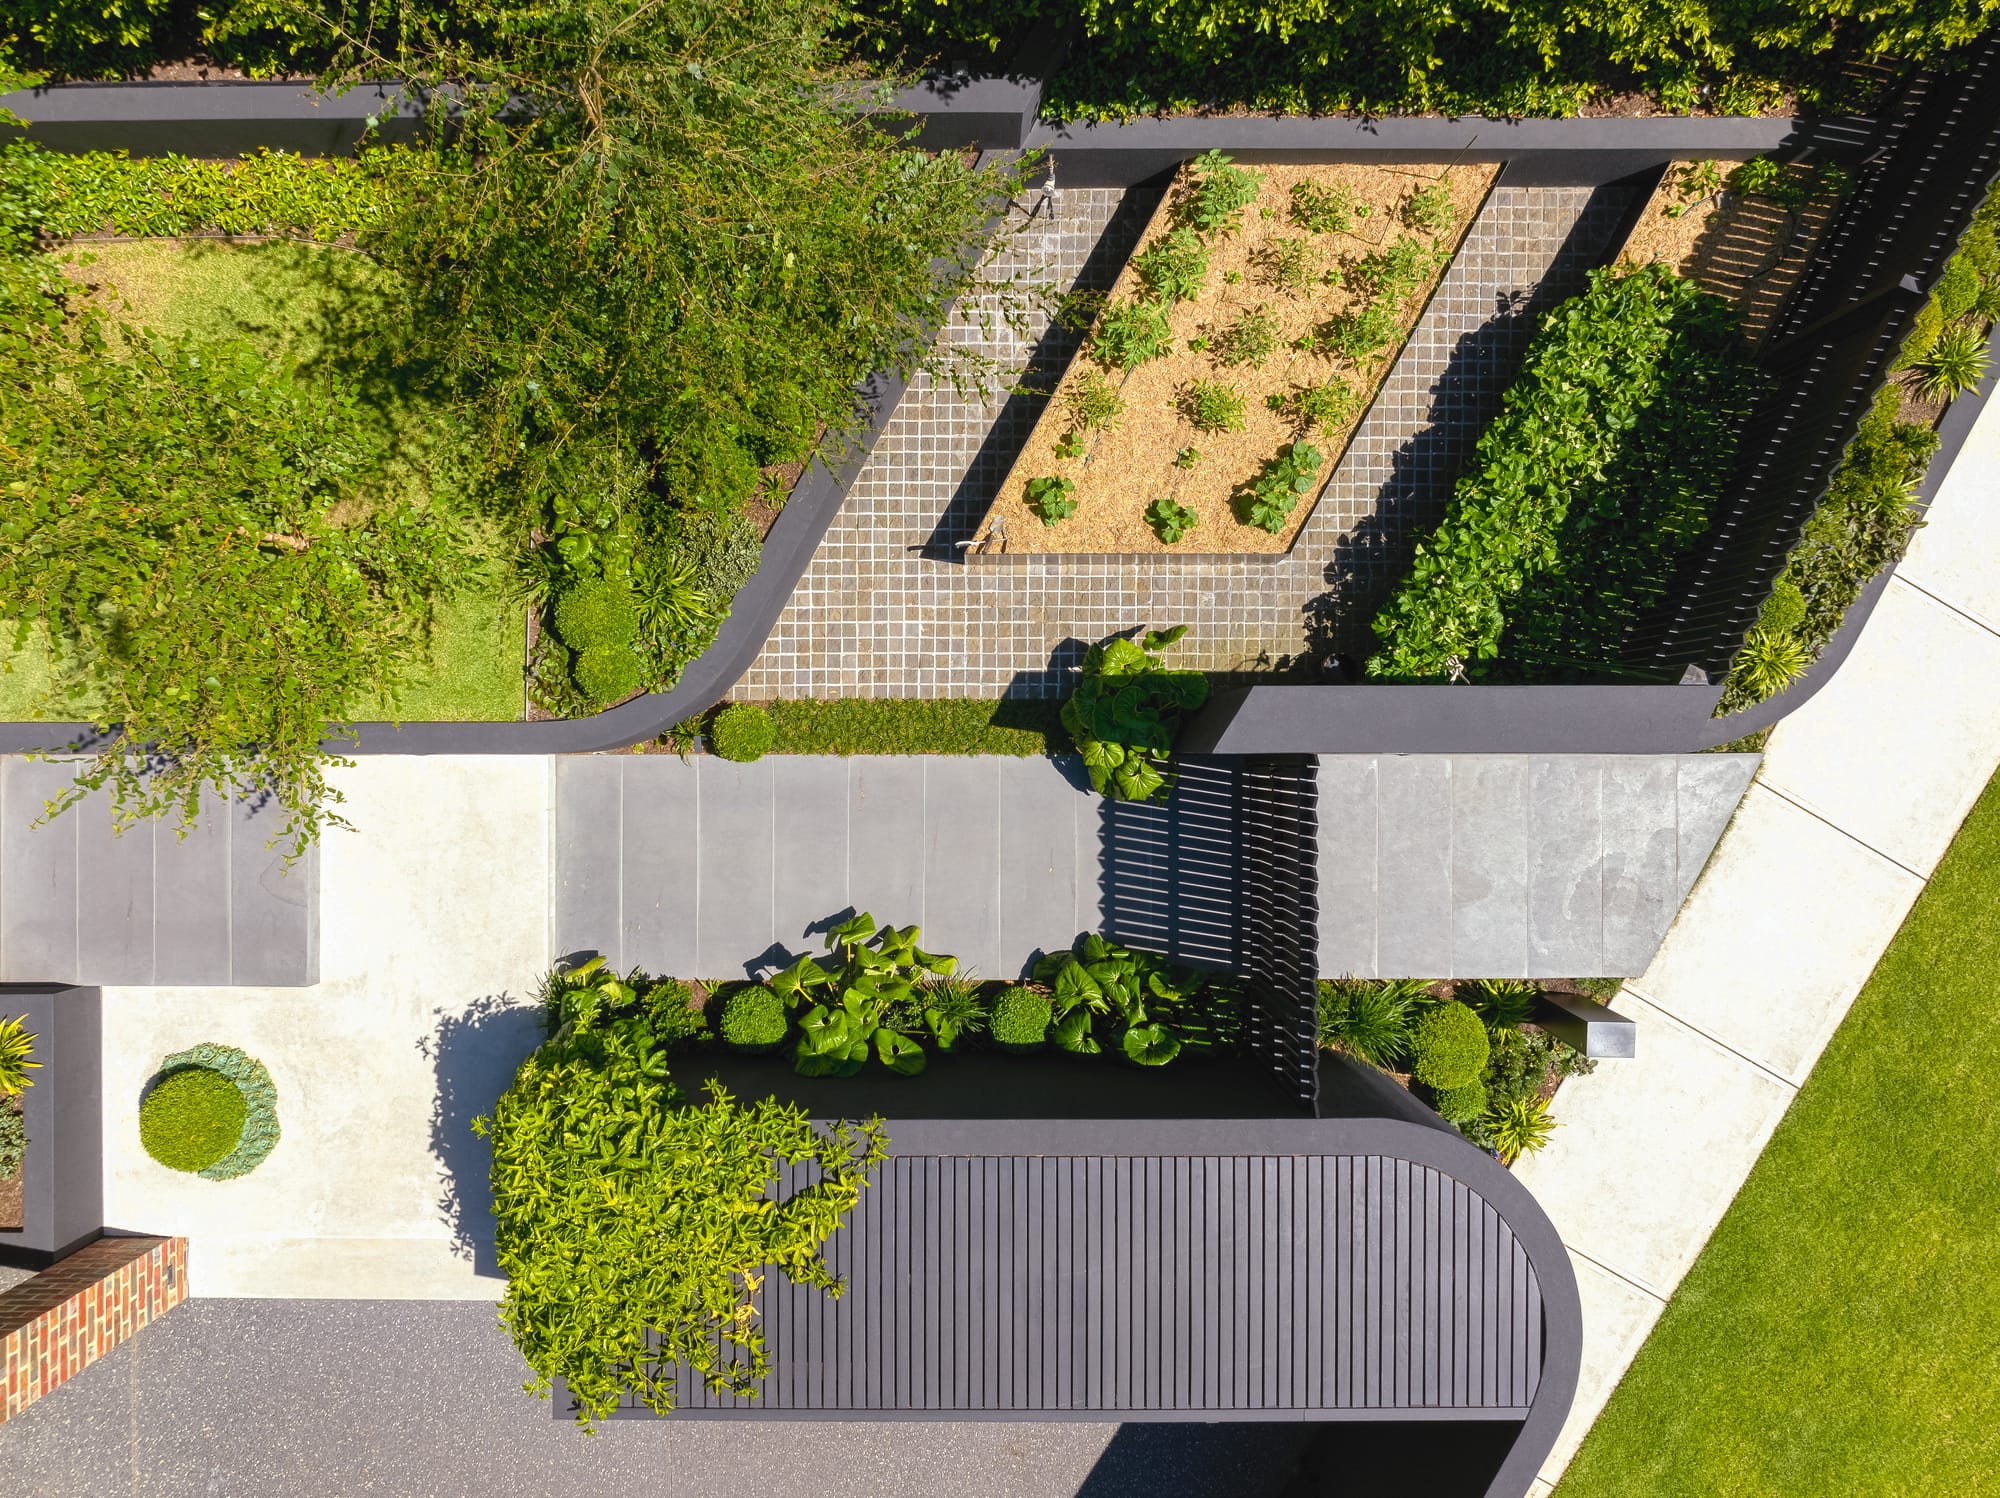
1611, 449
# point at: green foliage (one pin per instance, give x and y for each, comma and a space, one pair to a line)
1954, 364
191, 1118
861, 999
1289, 265
1393, 272
1020, 1020
1459, 1105
742, 732
16, 1046
1130, 334
597, 613
1769, 661
1604, 464
1126, 710
952, 1007
1170, 521
721, 547
13, 1142
1174, 266
1211, 406
753, 1019
259, 1132
1448, 1047
1524, 1065
1108, 998
634, 1228
1429, 210
919, 725
1370, 1019
1091, 404
671, 1010
265, 193
1764, 176
1361, 334
1520, 1127
1250, 340
605, 674
1052, 497
1214, 193
1280, 485
1326, 406
1694, 182
204, 537
1503, 1003
1187, 457
1324, 210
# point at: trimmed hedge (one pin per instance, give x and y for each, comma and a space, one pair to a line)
753, 1019
742, 731
927, 725
1611, 450
1019, 1019
257, 1129
192, 1118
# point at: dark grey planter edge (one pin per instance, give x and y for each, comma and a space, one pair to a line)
62, 1187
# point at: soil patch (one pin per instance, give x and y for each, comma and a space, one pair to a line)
1153, 451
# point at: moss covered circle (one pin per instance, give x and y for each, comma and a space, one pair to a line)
211, 1111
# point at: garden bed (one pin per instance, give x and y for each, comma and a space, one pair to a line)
1280, 321
11, 1219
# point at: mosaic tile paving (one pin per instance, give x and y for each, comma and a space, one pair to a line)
887, 609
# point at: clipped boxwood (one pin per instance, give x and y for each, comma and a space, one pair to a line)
1019, 1019
1462, 1104
1449, 1048
607, 673
754, 1019
742, 731
212, 1111
595, 615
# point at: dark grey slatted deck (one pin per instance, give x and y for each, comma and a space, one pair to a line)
1178, 1284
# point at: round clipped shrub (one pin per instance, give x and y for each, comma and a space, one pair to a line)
609, 673
742, 731
166, 1128
754, 1019
1448, 1048
1019, 1020
1462, 1104
191, 1118
596, 614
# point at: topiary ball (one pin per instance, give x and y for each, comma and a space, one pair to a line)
1019, 1019
1462, 1104
1448, 1048
754, 1019
742, 731
608, 674
595, 615
192, 1118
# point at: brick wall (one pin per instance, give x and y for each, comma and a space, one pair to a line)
67, 1317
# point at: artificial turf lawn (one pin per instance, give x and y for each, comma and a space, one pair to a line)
303, 303
912, 725
1840, 1334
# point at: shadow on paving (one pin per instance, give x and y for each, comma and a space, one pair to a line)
474, 1056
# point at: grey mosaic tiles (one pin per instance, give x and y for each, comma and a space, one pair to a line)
887, 609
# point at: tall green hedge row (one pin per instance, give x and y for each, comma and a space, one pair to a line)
1609, 453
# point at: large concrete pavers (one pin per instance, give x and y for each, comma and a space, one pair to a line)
81, 903
1512, 866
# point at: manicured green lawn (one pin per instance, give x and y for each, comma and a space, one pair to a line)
911, 725
1840, 1335
299, 303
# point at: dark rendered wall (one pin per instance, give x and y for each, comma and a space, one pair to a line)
63, 1184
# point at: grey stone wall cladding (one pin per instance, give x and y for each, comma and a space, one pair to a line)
879, 611
1513, 866
80, 904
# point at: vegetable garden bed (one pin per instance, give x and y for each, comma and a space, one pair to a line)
1234, 358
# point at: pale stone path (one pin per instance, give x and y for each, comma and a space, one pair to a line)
1860, 793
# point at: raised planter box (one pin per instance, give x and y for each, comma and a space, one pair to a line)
62, 1183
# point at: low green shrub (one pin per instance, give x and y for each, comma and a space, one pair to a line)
257, 1133
1332, 403
753, 1019
952, 1007
1457, 1105
606, 674
1130, 334
1370, 1019
1360, 335
1448, 1047
1389, 275
1524, 1064
1275, 492
1173, 267
1520, 1127
1091, 404
1052, 497
1250, 340
1170, 521
13, 1141
721, 546
742, 731
1319, 209
1141, 1007
864, 999
596, 615
917, 725
1288, 264
1126, 710
1430, 209
673, 1013
1213, 194
1020, 1019
1954, 363
1610, 452
16, 1046
191, 1118
1211, 406
1503, 1003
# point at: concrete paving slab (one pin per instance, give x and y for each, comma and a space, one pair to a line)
273, 904
734, 914
961, 861
191, 903
1952, 557
38, 897
1617, 1317
1413, 871
809, 880
1779, 935
1935, 675
1696, 1113
1641, 842
1038, 816
1347, 865
658, 900
885, 822
1707, 790
115, 920
1489, 866
586, 856
1565, 866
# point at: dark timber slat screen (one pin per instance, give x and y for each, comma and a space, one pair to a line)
1279, 829
1832, 347
1237, 1285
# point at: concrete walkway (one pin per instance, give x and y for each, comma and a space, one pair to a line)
1861, 792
